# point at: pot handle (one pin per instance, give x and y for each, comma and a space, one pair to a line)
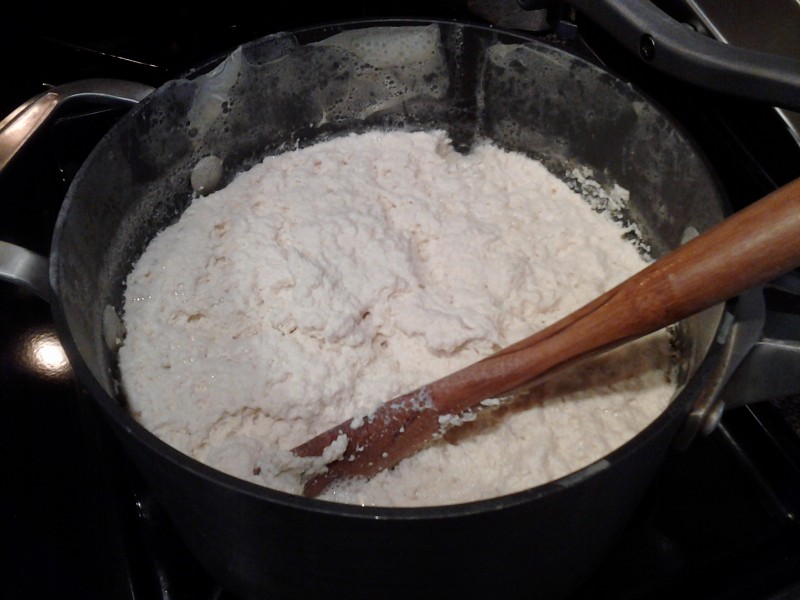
19, 265
672, 47
769, 370
756, 357
23, 122
23, 267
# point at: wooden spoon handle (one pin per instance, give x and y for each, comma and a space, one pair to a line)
754, 245
750, 247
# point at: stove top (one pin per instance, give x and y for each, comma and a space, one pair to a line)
720, 521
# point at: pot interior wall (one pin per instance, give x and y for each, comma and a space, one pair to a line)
290, 90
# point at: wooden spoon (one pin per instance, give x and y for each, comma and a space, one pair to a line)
754, 245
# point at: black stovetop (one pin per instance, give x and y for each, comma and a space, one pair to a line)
719, 522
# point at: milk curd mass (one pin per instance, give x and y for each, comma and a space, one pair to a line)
329, 279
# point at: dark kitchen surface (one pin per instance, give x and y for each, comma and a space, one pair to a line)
719, 522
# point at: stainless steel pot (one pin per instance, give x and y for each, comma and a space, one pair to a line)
300, 87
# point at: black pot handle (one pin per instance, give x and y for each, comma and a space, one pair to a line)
19, 265
770, 368
685, 54
753, 362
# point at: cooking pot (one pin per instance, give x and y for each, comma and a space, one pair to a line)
290, 90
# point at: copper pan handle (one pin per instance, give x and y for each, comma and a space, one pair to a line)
20, 265
18, 127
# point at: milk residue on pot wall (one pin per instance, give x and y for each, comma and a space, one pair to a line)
390, 66
261, 96
212, 94
327, 280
